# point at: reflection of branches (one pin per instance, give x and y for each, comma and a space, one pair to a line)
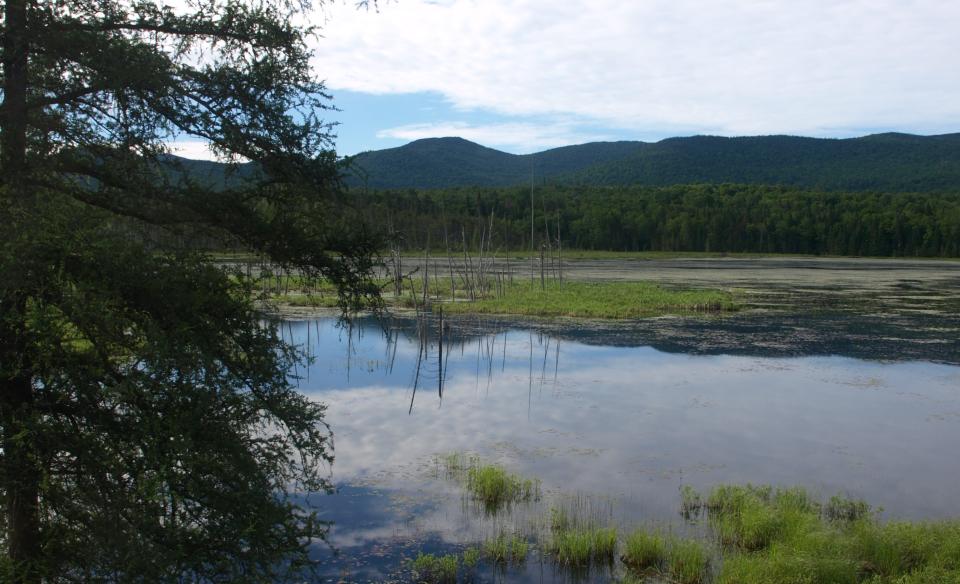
416, 377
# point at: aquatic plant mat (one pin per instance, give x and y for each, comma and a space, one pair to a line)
598, 300
513, 296
739, 534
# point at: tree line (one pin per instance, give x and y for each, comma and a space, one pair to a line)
698, 218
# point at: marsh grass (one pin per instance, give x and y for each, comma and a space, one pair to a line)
471, 557
519, 296
691, 503
840, 508
785, 535
432, 569
667, 557
578, 533
505, 549
761, 535
644, 551
492, 486
496, 487
582, 547
687, 561
751, 517
598, 300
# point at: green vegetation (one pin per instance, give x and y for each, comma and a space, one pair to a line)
491, 485
583, 546
687, 561
471, 557
432, 569
761, 535
150, 426
690, 502
503, 549
495, 487
644, 550
783, 535
597, 300
683, 561
840, 508
578, 536
728, 218
522, 297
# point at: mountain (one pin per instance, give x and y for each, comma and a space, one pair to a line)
887, 162
447, 162
883, 162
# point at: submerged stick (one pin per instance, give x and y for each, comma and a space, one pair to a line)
440, 352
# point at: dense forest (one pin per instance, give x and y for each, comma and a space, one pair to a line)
712, 218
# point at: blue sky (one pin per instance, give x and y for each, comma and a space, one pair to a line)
526, 75
372, 122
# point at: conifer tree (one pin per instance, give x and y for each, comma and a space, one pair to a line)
150, 431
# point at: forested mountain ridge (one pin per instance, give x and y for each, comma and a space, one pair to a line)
451, 162
879, 162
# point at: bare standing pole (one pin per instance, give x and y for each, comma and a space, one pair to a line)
546, 235
559, 252
446, 241
543, 283
440, 359
532, 259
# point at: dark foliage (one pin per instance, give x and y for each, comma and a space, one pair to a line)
711, 218
150, 428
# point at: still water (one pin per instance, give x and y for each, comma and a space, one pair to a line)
614, 416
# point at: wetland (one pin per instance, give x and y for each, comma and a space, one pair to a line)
838, 377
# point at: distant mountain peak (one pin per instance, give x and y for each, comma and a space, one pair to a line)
889, 162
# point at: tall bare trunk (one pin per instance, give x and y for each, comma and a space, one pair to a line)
13, 111
21, 477
21, 472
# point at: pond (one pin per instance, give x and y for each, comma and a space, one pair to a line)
618, 417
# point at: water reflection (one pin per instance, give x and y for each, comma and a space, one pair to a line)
630, 424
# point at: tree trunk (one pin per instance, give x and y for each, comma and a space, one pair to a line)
21, 480
13, 111
21, 471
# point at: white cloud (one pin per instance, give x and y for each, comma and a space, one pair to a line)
818, 67
522, 137
197, 150
192, 149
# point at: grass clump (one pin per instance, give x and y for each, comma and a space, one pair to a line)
687, 561
584, 546
752, 518
579, 537
690, 502
503, 549
598, 300
678, 560
493, 486
840, 508
432, 569
471, 557
644, 551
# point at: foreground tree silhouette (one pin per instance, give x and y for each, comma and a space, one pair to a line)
149, 428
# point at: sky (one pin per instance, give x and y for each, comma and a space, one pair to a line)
528, 75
